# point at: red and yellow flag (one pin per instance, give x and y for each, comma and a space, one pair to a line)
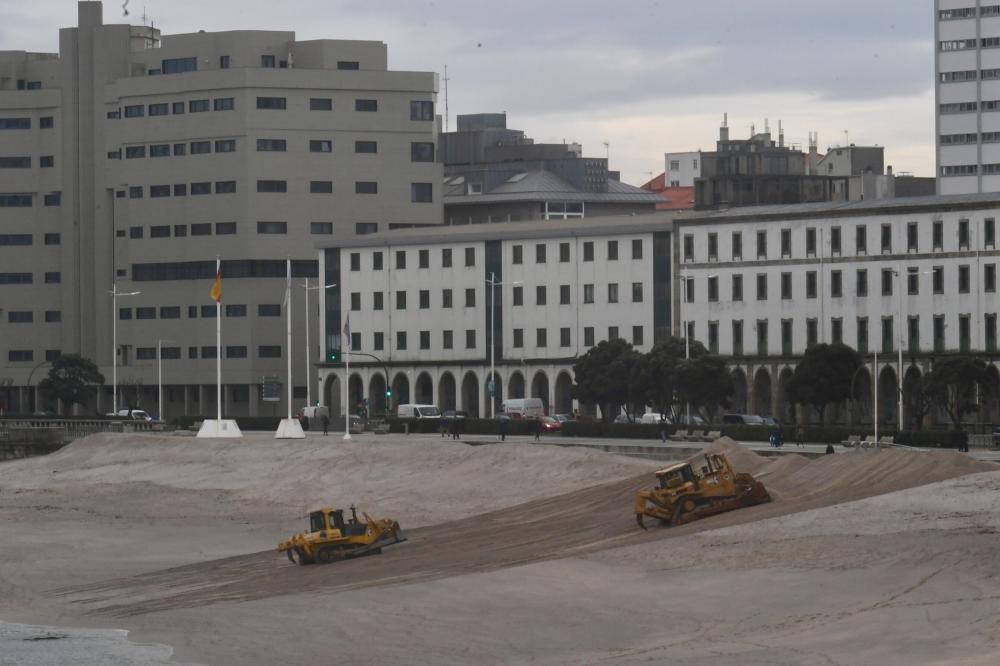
217, 285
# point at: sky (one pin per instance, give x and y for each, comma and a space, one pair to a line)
645, 77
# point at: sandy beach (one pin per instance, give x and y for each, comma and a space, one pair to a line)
517, 553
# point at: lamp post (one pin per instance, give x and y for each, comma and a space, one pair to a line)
115, 294
493, 283
159, 377
305, 286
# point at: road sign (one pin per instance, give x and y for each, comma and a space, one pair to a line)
271, 389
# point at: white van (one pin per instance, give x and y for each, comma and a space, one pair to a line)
134, 414
412, 411
653, 418
523, 408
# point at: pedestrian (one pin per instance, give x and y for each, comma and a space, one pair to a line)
456, 428
538, 427
326, 424
663, 430
305, 422
503, 423
829, 449
800, 434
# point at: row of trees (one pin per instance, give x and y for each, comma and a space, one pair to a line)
616, 377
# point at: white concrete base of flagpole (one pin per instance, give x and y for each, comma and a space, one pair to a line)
289, 429
216, 428
347, 435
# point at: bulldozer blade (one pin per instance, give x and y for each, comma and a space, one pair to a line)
291, 558
638, 519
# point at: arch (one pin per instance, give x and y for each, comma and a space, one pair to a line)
332, 397
423, 389
738, 402
887, 394
785, 408
470, 394
498, 395
914, 402
376, 394
515, 386
540, 388
446, 392
861, 394
762, 393
989, 401
355, 393
564, 394
400, 389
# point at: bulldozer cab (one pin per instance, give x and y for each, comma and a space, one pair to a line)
675, 476
317, 521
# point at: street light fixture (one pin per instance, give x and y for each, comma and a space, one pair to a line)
115, 294
159, 377
305, 286
493, 283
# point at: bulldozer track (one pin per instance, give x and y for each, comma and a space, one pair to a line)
568, 525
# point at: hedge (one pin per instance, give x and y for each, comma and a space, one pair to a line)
469, 426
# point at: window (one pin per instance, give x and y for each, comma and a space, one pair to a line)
564, 337
517, 254
713, 246
16, 123
913, 334
20, 355
470, 256
470, 338
401, 340
269, 351
46, 122
963, 279
737, 288
588, 251
53, 277
564, 294
272, 145
588, 336
786, 286
518, 338
786, 243
762, 337
887, 275
378, 300
236, 351
939, 339
180, 149
761, 286
272, 227
225, 146
937, 235
272, 103
53, 316
365, 228
400, 300
836, 284
400, 260
835, 241
588, 293
366, 105
637, 291
688, 247
52, 199
912, 282
201, 147
737, 245
159, 231
321, 228
887, 335
425, 339
423, 298
135, 232
177, 108
837, 330
911, 237
376, 261
145, 313
133, 152
861, 283
812, 332
963, 234
273, 186
320, 104
421, 151
448, 339
321, 187
26, 201
786, 337
446, 257
378, 341
124, 314
762, 245
224, 62
563, 253
364, 146
737, 337
886, 239
53, 239
224, 187
423, 258
365, 187
198, 106
636, 336
20, 317
990, 321
713, 337
201, 188
811, 283
540, 253
159, 150
989, 233
201, 229
612, 250
990, 278
135, 111
541, 337
269, 310
421, 110
861, 239
236, 310
937, 279
223, 104
446, 299
470, 298
421, 192
613, 292
540, 295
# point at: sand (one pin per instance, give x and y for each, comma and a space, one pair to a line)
517, 553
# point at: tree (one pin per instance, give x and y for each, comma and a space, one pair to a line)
653, 376
920, 401
602, 376
952, 384
824, 375
72, 379
704, 382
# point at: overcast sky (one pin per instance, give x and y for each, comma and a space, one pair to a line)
646, 76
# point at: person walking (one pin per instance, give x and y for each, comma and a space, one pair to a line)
456, 428
504, 423
326, 424
538, 427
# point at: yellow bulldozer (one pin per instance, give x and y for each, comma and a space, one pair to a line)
332, 538
684, 493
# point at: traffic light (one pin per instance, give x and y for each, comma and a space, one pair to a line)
333, 355
388, 393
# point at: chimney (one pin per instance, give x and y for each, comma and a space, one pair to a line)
781, 136
724, 130
888, 170
813, 159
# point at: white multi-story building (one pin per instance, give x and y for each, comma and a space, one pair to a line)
422, 315
681, 169
967, 66
134, 159
765, 283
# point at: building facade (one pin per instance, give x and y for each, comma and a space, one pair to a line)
967, 95
919, 275
130, 161
424, 323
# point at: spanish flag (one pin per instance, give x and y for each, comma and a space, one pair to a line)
217, 285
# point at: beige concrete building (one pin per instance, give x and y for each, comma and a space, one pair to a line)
135, 159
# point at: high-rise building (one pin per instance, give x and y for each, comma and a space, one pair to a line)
131, 161
967, 95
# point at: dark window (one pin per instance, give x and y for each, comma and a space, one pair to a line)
223, 104
225, 228
145, 313
321, 187
208, 311
124, 314
811, 284
16, 123
421, 192
201, 147
365, 187
401, 340
937, 235
761, 286
159, 150
737, 245
541, 337
762, 340
990, 278
170, 312
236, 351
887, 335
762, 245
540, 253
470, 298
963, 279
937, 279
423, 258
159, 231
321, 228
786, 286
135, 111
400, 300
737, 288
53, 239
24, 200
180, 190
273, 103
274, 186
835, 241
178, 65
161, 109
786, 337
713, 246
637, 248
421, 151
400, 259
320, 104
963, 234
470, 338
939, 340
225, 187
378, 300
886, 238
272, 145
517, 254
46, 122
323, 146
198, 106
887, 277
613, 292
365, 146
517, 296
861, 239
911, 237
366, 105
861, 283
135, 232
272, 227
518, 338
201, 229
267, 61
16, 239
269, 351
53, 316
540, 295
446, 298
224, 62
378, 340
446, 258
564, 336
180, 149
588, 251
688, 247
201, 188
470, 256
989, 233
376, 261
225, 146
810, 242
52, 199
20, 355
177, 108
423, 299
20, 317
836, 284
420, 110
348, 64
588, 336
786, 242
133, 152
612, 250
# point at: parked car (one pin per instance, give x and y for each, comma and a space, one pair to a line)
523, 408
413, 411
562, 418
550, 424
133, 414
742, 419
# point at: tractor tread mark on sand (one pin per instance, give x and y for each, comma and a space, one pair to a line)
331, 538
684, 494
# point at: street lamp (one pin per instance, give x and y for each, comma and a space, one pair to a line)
115, 294
491, 384
305, 286
159, 377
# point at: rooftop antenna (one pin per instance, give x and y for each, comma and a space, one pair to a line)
753, 130
607, 150
446, 98
847, 140
781, 136
125, 8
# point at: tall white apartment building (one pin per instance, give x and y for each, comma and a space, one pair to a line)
967, 95
132, 160
424, 323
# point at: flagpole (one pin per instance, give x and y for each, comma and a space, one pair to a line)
218, 349
347, 380
288, 332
